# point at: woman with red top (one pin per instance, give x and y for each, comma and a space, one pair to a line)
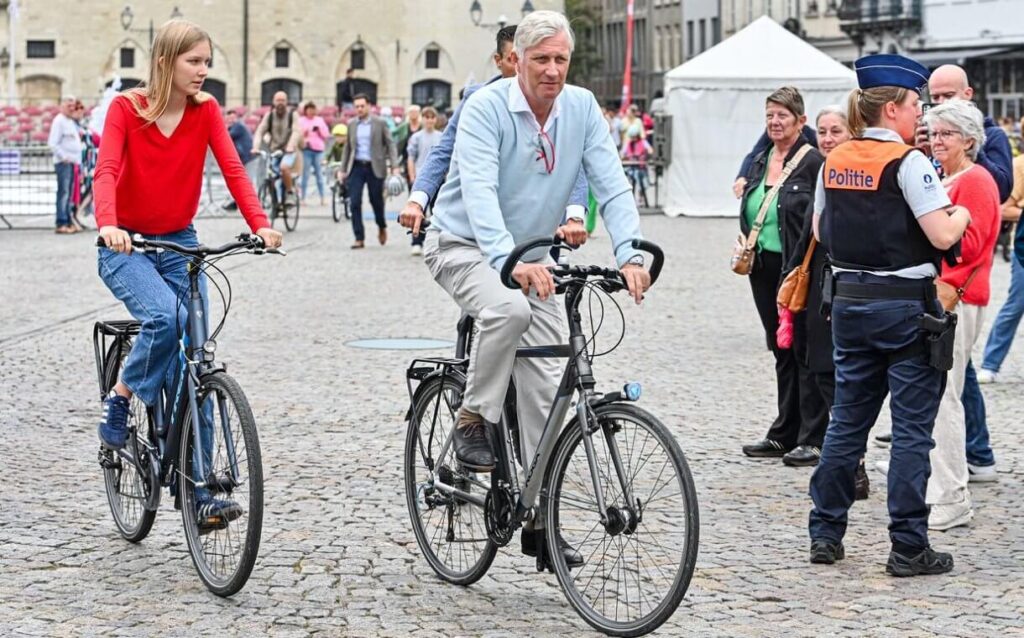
956, 130
147, 181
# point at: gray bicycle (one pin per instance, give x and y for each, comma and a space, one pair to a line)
613, 483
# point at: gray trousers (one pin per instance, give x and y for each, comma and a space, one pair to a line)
505, 319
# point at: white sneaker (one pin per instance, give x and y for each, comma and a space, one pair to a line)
950, 515
417, 251
987, 376
882, 467
982, 473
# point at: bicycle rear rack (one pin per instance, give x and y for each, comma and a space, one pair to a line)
420, 369
111, 333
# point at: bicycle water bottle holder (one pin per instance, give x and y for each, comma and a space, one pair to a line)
106, 334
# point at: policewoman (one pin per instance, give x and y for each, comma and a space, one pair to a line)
884, 218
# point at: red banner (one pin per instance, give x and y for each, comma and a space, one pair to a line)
627, 74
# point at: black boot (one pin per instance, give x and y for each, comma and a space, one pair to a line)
535, 545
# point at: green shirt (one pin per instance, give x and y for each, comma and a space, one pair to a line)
769, 239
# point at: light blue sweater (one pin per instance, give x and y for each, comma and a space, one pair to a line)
499, 193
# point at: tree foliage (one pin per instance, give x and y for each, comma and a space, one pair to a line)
586, 60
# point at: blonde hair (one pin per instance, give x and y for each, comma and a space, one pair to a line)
864, 106
172, 39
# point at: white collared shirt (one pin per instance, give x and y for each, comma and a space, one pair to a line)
517, 104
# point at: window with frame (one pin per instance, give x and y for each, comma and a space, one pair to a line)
358, 59
281, 55
433, 59
689, 38
127, 58
41, 49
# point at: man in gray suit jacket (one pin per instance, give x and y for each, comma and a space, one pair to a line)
365, 163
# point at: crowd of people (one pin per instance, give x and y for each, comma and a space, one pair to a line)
886, 214
73, 145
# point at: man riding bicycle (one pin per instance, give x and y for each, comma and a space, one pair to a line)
506, 185
282, 127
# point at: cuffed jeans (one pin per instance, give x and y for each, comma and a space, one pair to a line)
65, 183
505, 319
1005, 326
948, 482
150, 286
311, 162
866, 333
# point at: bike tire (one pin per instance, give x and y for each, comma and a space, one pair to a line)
124, 480
423, 501
675, 521
268, 201
242, 535
336, 204
291, 213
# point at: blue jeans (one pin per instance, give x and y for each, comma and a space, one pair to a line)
979, 452
65, 182
362, 175
311, 162
150, 286
865, 333
1005, 326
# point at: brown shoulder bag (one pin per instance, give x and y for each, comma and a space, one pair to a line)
793, 291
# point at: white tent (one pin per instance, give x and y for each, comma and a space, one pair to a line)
716, 101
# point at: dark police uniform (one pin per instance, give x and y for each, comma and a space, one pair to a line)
870, 193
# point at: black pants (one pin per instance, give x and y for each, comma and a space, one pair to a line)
803, 414
362, 175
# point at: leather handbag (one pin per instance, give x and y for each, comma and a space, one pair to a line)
949, 296
745, 249
793, 291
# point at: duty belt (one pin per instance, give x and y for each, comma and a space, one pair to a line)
924, 291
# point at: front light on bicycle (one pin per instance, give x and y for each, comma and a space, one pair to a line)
632, 391
210, 346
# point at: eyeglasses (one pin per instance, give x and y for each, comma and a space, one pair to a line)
943, 135
544, 143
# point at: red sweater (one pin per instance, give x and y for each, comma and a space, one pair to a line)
150, 183
976, 191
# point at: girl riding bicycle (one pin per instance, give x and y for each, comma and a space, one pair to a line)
148, 181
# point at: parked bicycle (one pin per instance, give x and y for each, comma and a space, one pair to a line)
613, 483
339, 193
200, 438
270, 193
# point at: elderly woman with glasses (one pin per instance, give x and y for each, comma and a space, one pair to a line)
956, 131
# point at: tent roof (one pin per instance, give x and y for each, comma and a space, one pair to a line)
762, 54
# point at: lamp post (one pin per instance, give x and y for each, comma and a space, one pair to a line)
127, 16
476, 13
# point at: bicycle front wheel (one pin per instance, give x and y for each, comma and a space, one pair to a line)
225, 470
268, 200
337, 203
450, 531
129, 477
290, 210
638, 563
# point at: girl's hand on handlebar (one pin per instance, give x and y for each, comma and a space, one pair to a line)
271, 238
536, 276
116, 239
638, 280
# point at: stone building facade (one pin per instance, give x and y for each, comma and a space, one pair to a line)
403, 50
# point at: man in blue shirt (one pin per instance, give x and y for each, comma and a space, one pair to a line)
520, 148
242, 139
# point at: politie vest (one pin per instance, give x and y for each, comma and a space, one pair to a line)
866, 223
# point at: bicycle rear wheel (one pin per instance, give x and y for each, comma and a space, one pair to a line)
128, 474
450, 531
637, 566
223, 549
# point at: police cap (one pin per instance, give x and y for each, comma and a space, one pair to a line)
890, 70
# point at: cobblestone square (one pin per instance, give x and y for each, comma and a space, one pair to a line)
338, 557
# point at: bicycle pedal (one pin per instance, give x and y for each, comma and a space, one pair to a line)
212, 524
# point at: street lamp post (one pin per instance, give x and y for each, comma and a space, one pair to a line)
476, 14
127, 16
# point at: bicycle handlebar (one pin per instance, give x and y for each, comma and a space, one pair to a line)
546, 242
248, 241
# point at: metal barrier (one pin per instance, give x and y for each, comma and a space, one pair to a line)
28, 183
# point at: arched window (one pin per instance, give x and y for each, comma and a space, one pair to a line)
435, 93
217, 89
368, 87
270, 87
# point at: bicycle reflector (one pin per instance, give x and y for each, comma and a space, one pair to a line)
631, 391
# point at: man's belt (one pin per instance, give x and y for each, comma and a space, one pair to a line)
924, 291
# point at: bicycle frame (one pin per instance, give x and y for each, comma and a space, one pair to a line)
576, 377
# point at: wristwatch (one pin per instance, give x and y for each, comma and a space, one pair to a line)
636, 260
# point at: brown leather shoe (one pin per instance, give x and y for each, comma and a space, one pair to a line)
358, 244
382, 236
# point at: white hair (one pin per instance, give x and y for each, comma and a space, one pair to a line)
538, 26
833, 109
965, 117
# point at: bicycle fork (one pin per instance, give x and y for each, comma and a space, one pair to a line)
614, 519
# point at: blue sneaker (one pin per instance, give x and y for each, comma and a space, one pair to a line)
113, 428
215, 514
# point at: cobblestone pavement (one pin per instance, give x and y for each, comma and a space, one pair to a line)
338, 555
